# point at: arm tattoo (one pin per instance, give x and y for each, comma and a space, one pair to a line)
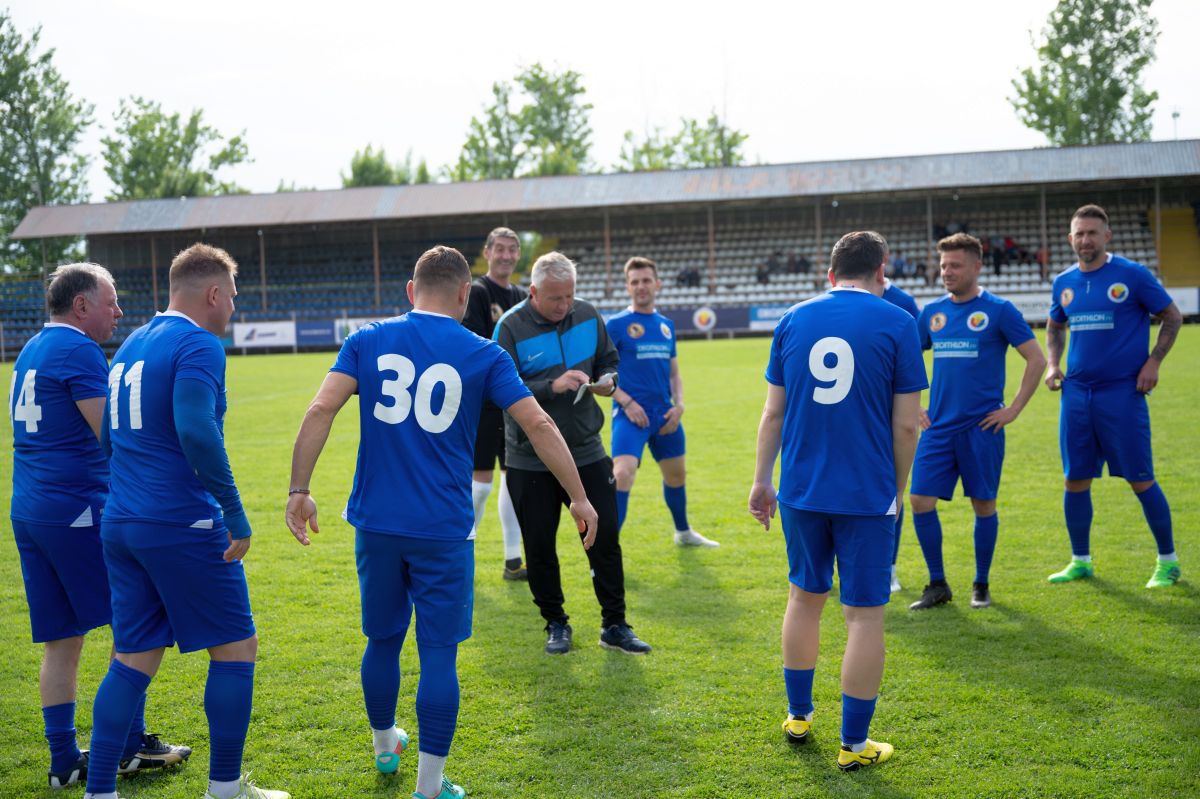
1171, 322
1056, 338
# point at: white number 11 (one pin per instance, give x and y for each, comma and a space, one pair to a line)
133, 380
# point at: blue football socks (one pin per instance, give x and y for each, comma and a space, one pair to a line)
929, 533
381, 680
799, 683
1077, 508
437, 698
676, 498
60, 734
1158, 516
133, 743
112, 713
622, 507
856, 717
987, 528
228, 697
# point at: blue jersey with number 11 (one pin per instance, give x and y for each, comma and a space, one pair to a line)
840, 358
422, 379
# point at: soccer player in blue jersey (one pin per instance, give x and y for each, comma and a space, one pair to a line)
174, 530
1108, 301
649, 401
844, 387
969, 331
901, 299
421, 379
60, 479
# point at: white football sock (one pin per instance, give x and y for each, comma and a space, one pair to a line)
385, 740
509, 525
429, 774
112, 795
1169, 557
1084, 558
479, 495
224, 790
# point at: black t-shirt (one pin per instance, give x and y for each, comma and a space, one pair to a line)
488, 301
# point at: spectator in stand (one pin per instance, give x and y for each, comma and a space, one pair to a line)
774, 265
792, 266
998, 254
1043, 260
763, 274
803, 265
899, 265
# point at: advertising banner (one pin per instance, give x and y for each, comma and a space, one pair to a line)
315, 334
264, 334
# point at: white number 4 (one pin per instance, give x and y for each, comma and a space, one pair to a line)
841, 374
133, 380
26, 410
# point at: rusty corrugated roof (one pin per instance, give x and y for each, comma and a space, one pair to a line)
909, 173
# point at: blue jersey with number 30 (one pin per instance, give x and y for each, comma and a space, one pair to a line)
152, 480
840, 358
60, 475
422, 379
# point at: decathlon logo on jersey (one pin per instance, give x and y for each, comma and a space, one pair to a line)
654, 351
957, 347
977, 321
1091, 320
1118, 292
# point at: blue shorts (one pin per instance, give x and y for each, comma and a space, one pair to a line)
976, 455
862, 545
174, 593
396, 572
629, 439
1105, 425
66, 585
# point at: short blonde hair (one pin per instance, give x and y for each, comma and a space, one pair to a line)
552, 266
201, 262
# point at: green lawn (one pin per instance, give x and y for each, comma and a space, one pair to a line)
1087, 690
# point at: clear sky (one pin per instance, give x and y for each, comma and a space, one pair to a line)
311, 82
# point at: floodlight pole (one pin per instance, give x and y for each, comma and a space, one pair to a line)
375, 246
1045, 234
608, 290
1158, 225
712, 251
262, 267
928, 228
819, 259
154, 271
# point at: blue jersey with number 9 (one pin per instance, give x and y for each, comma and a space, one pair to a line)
839, 358
422, 380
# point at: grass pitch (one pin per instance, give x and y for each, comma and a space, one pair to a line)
1088, 689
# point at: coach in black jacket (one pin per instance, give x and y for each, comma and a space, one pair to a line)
564, 355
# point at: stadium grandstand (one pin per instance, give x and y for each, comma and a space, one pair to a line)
735, 246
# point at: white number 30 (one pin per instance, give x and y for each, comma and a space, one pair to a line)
406, 373
841, 374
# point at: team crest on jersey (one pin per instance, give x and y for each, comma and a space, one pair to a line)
497, 312
937, 322
666, 331
1065, 298
636, 330
1118, 292
977, 321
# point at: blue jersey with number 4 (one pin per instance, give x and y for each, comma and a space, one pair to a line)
152, 480
969, 341
422, 379
646, 344
840, 358
1108, 310
60, 475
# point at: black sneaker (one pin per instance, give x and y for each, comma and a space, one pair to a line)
76, 773
155, 753
516, 571
558, 638
981, 597
936, 593
621, 638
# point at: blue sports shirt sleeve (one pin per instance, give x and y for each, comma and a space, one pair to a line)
90, 379
194, 403
347, 359
1150, 293
910, 364
1056, 310
923, 329
1013, 325
775, 362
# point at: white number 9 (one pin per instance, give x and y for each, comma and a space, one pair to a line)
841, 374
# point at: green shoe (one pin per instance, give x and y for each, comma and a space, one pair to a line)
1076, 570
1166, 574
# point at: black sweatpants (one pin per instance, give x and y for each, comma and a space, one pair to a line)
539, 501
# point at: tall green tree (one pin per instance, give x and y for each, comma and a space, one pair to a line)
153, 154
697, 144
1086, 88
369, 167
548, 134
40, 129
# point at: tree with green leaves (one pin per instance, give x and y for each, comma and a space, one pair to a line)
697, 145
154, 155
371, 168
549, 134
1087, 86
40, 161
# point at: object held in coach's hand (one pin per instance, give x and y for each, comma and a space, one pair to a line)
605, 380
